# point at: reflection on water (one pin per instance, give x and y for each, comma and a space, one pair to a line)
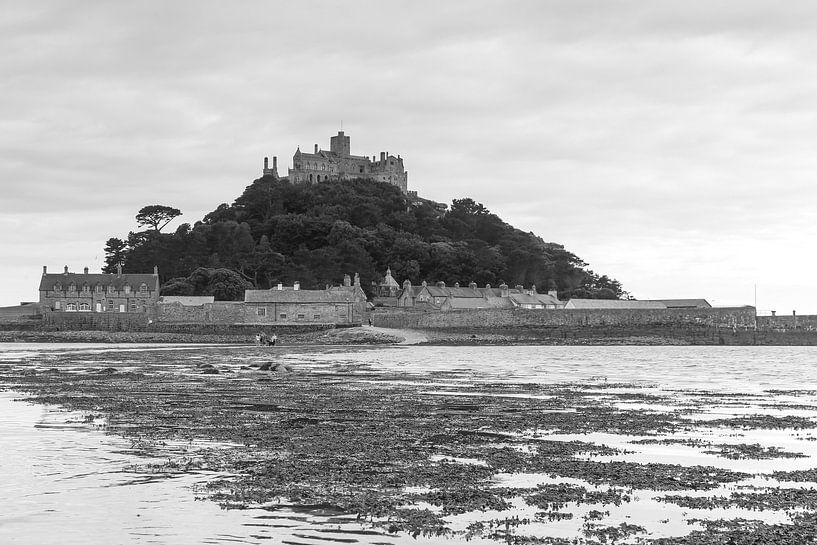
61, 476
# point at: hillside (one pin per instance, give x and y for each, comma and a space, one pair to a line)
280, 232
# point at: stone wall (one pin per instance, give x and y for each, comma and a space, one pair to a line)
107, 321
738, 317
790, 322
261, 313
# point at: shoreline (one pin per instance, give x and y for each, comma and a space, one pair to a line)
368, 335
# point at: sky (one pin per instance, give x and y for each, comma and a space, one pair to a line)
671, 145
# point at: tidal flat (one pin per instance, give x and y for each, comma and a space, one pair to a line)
546, 445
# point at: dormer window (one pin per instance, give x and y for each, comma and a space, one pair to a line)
57, 287
143, 288
110, 288
127, 288
86, 288
72, 287
99, 288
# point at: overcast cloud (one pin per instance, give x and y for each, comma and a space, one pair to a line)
669, 144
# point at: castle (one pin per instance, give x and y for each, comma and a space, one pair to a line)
339, 164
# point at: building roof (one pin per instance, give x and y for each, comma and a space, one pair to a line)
299, 296
613, 304
525, 299
466, 303
684, 303
469, 293
49, 280
188, 300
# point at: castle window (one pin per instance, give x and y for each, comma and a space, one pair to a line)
316, 316
71, 307
57, 305
361, 169
319, 177
301, 316
261, 311
310, 177
84, 307
282, 316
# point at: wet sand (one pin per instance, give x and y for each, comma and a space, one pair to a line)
440, 454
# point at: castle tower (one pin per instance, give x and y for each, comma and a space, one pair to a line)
340, 144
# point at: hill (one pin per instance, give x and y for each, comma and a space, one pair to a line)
282, 232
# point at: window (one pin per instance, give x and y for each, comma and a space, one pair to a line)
143, 288
261, 311
316, 316
110, 288
111, 306
99, 288
84, 307
319, 177
86, 288
127, 288
283, 316
71, 307
323, 167
301, 316
72, 287
57, 287
57, 305
133, 306
361, 169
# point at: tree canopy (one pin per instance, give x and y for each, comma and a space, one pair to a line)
157, 216
276, 231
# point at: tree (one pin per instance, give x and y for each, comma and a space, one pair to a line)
115, 254
157, 216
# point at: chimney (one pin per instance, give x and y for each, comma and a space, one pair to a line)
66, 270
347, 281
406, 284
519, 288
472, 285
487, 286
774, 313
533, 289
456, 284
424, 284
296, 286
85, 270
440, 284
275, 164
45, 270
357, 280
155, 270
266, 164
504, 287
316, 149
554, 294
118, 269
280, 286
383, 156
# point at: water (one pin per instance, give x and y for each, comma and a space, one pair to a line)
63, 478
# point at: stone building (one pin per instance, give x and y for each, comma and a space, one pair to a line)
68, 292
344, 304
339, 164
